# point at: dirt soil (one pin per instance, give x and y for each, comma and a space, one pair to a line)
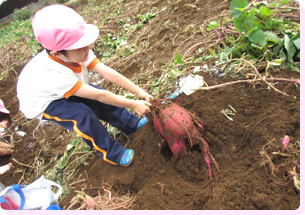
243, 181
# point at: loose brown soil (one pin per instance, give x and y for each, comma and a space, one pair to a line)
262, 115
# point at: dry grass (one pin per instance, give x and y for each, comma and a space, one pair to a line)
103, 201
282, 167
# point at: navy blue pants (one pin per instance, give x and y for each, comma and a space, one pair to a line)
83, 116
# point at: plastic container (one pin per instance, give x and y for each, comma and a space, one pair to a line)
175, 94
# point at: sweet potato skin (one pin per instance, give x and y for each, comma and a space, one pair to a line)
176, 125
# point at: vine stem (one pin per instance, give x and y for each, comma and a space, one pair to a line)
261, 78
250, 82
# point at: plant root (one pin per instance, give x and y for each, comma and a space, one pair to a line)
280, 173
104, 201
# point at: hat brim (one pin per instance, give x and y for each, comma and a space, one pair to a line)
92, 33
4, 111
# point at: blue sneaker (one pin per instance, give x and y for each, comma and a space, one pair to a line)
142, 122
127, 157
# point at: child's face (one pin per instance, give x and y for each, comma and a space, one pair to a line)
77, 55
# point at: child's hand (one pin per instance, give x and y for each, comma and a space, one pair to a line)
146, 96
142, 107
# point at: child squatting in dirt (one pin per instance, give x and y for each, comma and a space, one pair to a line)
54, 85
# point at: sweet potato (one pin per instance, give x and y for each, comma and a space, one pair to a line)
176, 125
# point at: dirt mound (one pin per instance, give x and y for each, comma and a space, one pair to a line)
158, 183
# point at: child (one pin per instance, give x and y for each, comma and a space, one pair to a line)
54, 85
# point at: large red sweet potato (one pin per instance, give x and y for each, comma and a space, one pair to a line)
176, 125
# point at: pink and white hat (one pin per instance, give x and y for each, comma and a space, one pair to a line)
58, 27
2, 108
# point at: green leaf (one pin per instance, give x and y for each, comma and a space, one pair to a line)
276, 62
241, 47
106, 39
106, 54
238, 24
289, 47
279, 4
257, 46
282, 55
277, 49
70, 146
264, 11
258, 37
212, 25
237, 4
270, 36
296, 36
223, 57
284, 2
257, 25
269, 24
228, 50
297, 43
260, 3
241, 9
296, 40
293, 68
178, 59
255, 28
250, 19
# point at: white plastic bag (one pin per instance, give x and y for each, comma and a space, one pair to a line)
190, 84
36, 196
